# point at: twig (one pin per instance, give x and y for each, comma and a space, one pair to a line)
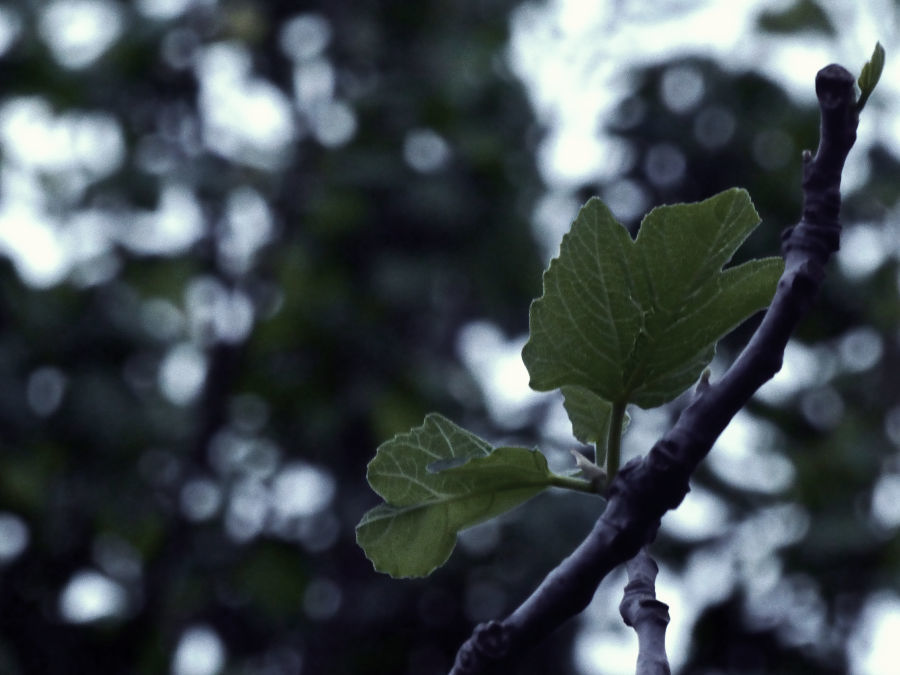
647, 487
648, 616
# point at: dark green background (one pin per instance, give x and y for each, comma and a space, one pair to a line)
359, 297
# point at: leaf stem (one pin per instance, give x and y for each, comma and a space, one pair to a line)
571, 483
614, 442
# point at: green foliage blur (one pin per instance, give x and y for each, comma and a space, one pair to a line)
240, 242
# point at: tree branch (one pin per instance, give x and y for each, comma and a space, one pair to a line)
647, 487
648, 616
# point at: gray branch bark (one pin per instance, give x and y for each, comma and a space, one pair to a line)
647, 487
648, 616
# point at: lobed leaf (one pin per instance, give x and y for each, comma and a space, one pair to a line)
637, 320
584, 326
438, 479
406, 469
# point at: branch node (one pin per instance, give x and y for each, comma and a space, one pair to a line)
489, 643
671, 475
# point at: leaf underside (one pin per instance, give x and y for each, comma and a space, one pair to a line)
637, 320
590, 415
425, 507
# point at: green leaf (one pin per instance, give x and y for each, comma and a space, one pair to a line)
637, 320
803, 15
589, 414
871, 73
429, 499
400, 473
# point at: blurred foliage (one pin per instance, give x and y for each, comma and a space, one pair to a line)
377, 198
356, 297
799, 16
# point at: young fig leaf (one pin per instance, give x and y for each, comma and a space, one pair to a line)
436, 480
636, 321
871, 73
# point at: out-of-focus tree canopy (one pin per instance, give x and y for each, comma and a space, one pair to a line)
245, 242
